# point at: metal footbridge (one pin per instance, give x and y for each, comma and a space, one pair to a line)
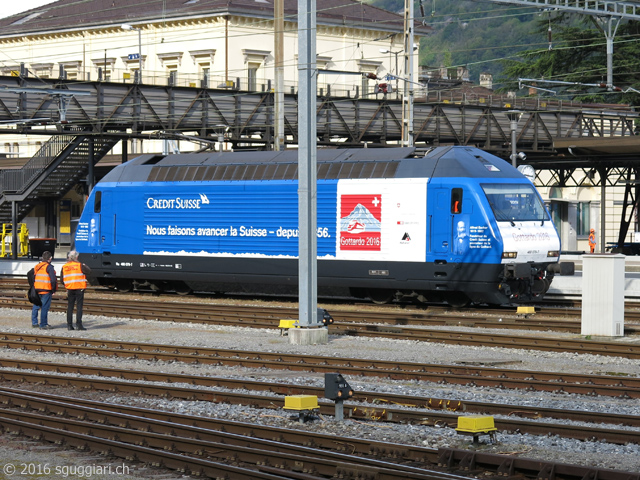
84, 120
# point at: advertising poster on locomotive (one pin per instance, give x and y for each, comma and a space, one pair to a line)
356, 219
382, 219
240, 218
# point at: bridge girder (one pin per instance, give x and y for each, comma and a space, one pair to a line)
439, 119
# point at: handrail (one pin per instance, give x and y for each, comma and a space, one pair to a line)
17, 181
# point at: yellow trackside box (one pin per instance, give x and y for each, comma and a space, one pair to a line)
301, 402
526, 310
476, 425
288, 324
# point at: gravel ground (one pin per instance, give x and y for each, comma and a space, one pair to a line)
600, 454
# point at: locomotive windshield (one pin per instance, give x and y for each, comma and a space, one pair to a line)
515, 203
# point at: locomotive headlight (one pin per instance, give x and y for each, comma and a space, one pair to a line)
553, 253
509, 254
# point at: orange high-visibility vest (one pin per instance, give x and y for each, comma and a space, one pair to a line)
72, 276
42, 279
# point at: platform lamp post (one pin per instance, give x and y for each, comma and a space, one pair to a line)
386, 50
514, 117
126, 26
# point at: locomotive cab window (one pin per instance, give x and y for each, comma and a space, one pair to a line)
97, 203
515, 203
456, 200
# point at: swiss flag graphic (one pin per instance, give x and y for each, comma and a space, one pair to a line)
360, 222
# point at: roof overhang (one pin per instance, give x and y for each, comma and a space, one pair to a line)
629, 145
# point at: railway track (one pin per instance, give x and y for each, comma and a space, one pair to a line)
371, 406
376, 408
207, 447
561, 308
191, 449
369, 324
605, 385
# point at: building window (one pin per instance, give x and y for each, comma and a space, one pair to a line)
42, 70
252, 76
71, 69
254, 59
171, 63
104, 66
583, 226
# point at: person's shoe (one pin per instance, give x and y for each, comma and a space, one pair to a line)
46, 327
70, 327
79, 327
34, 326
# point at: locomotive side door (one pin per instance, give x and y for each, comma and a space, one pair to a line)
440, 220
107, 221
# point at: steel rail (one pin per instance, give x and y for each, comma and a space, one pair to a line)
167, 423
140, 418
374, 414
566, 319
222, 449
202, 315
259, 317
377, 399
609, 385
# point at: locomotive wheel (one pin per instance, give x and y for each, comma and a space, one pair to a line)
380, 297
458, 300
124, 286
540, 286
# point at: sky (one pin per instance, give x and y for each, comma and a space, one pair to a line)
11, 8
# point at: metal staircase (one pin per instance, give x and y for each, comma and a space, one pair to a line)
52, 172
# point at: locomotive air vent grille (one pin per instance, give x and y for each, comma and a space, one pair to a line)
356, 170
191, 173
323, 168
216, 173
237, 173
175, 174
199, 173
250, 171
273, 171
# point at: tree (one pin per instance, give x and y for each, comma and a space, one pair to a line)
578, 55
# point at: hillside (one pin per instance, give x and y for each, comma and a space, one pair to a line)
478, 34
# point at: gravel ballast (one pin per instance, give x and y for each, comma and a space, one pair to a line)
548, 448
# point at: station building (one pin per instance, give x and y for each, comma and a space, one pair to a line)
188, 43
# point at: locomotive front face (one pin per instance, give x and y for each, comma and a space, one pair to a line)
528, 234
530, 241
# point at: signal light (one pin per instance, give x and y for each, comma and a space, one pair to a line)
327, 319
336, 387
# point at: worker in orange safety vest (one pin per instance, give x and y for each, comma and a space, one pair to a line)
592, 240
75, 281
45, 283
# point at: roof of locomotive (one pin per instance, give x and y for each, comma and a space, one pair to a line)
402, 162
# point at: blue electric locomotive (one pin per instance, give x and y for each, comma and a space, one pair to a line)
457, 225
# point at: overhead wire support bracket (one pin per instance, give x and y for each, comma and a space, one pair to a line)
611, 88
602, 8
390, 76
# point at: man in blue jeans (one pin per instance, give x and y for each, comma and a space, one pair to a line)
45, 284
